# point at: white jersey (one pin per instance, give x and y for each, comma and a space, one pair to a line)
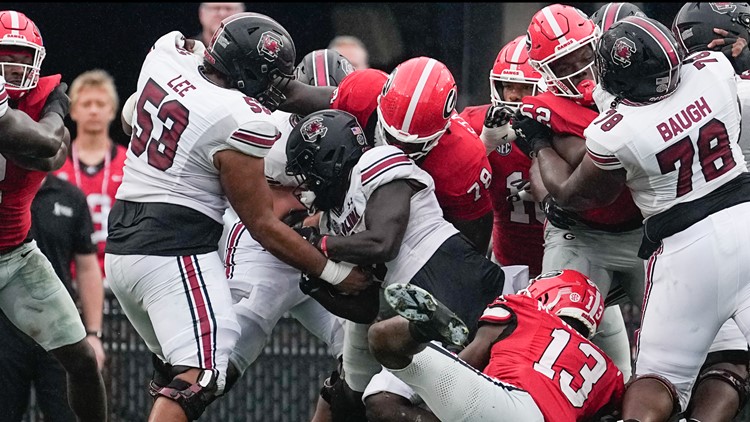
182, 119
426, 229
680, 148
275, 161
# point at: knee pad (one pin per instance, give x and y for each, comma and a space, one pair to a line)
161, 377
192, 398
736, 381
676, 408
346, 404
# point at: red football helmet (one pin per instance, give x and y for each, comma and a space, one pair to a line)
558, 32
512, 66
19, 36
415, 106
569, 293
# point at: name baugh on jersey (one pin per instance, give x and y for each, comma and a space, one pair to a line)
683, 120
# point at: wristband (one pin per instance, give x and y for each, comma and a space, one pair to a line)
97, 333
493, 137
335, 272
324, 245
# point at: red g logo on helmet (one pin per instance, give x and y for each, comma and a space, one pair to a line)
269, 45
622, 50
313, 129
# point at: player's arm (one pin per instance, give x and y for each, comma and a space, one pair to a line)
46, 164
243, 180
478, 231
581, 188
305, 99
386, 220
127, 114
477, 353
91, 292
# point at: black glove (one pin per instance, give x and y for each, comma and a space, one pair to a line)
531, 136
311, 234
519, 190
497, 116
58, 101
557, 216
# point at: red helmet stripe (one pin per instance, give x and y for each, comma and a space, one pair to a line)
658, 36
320, 64
417, 94
610, 15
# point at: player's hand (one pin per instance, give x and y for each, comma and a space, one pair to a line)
96, 344
520, 190
58, 101
531, 136
735, 48
497, 116
311, 234
357, 281
557, 216
497, 131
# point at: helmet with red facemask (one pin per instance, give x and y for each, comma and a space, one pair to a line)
512, 66
21, 53
415, 106
561, 42
568, 293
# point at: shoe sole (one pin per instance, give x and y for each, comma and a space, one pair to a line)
418, 305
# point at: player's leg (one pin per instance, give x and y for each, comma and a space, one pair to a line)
316, 319
689, 296
36, 301
189, 307
388, 399
50, 387
722, 388
18, 360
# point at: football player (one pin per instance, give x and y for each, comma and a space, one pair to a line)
34, 141
518, 221
201, 128
531, 359
602, 242
263, 287
671, 138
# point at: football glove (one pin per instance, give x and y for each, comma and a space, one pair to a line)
531, 136
520, 190
58, 101
311, 234
557, 216
497, 130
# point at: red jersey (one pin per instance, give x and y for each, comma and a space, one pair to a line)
518, 229
18, 186
569, 378
457, 164
566, 117
99, 184
461, 171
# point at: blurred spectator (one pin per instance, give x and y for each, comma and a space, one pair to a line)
353, 49
95, 164
61, 226
211, 15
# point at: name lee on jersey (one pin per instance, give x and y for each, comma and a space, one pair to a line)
183, 83
683, 120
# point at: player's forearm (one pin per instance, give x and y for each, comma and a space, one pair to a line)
365, 248
556, 175
39, 139
288, 246
90, 291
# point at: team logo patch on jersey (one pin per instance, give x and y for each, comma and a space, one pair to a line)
723, 8
270, 45
622, 51
312, 129
450, 103
505, 149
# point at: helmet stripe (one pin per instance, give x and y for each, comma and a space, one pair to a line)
319, 68
610, 15
516, 56
417, 94
553, 24
659, 36
15, 22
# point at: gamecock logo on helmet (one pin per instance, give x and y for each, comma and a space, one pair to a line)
723, 8
622, 50
270, 45
312, 129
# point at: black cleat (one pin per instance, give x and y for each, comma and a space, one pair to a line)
430, 318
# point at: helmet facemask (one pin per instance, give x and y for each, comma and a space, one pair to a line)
497, 89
